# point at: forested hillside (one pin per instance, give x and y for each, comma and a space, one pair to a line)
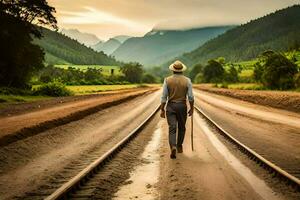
61, 49
159, 46
107, 47
277, 31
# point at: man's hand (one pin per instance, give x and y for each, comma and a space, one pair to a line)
191, 111
162, 114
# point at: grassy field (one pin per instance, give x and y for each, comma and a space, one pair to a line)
19, 98
77, 90
89, 89
106, 70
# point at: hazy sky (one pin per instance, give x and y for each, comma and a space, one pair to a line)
107, 18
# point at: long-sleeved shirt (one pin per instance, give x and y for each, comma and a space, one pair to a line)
180, 88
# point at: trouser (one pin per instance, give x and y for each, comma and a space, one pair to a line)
176, 117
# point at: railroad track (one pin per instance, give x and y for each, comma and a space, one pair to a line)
79, 181
75, 184
263, 162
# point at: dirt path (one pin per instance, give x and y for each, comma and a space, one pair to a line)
29, 163
20, 126
285, 100
250, 109
271, 132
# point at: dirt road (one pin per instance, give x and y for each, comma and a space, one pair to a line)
21, 125
273, 133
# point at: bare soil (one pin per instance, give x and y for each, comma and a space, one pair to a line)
271, 132
22, 124
278, 99
35, 165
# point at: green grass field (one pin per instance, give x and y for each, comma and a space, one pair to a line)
19, 98
89, 89
106, 70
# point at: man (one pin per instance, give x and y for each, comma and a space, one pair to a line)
176, 89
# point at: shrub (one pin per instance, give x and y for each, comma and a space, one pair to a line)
14, 91
148, 78
279, 72
199, 78
297, 80
54, 89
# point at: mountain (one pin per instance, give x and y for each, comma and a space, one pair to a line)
84, 38
277, 31
159, 46
122, 38
61, 49
107, 47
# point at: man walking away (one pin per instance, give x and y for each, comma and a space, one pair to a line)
176, 89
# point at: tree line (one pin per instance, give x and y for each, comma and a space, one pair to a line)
131, 73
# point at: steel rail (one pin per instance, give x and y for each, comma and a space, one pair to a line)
263, 162
87, 173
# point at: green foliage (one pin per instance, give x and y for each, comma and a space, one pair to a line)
53, 89
198, 68
258, 71
232, 75
276, 31
76, 76
199, 78
297, 80
133, 72
14, 91
105, 69
149, 78
19, 58
213, 72
278, 71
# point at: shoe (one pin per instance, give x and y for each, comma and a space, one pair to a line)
179, 149
173, 153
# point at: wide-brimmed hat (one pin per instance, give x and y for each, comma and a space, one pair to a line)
177, 66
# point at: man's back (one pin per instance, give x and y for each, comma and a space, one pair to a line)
177, 87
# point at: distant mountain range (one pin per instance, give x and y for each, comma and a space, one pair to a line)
61, 49
277, 31
110, 45
84, 38
159, 46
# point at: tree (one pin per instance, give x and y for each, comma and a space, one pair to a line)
198, 68
278, 71
232, 75
258, 72
213, 72
19, 57
148, 78
133, 72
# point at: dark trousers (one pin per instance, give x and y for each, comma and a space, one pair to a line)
176, 117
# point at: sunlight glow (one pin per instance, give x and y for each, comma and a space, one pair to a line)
94, 16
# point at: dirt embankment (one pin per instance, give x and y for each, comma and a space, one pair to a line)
278, 99
34, 118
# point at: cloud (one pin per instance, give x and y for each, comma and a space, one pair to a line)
136, 17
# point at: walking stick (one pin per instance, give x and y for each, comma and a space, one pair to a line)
192, 132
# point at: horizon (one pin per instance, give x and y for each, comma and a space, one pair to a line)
134, 18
